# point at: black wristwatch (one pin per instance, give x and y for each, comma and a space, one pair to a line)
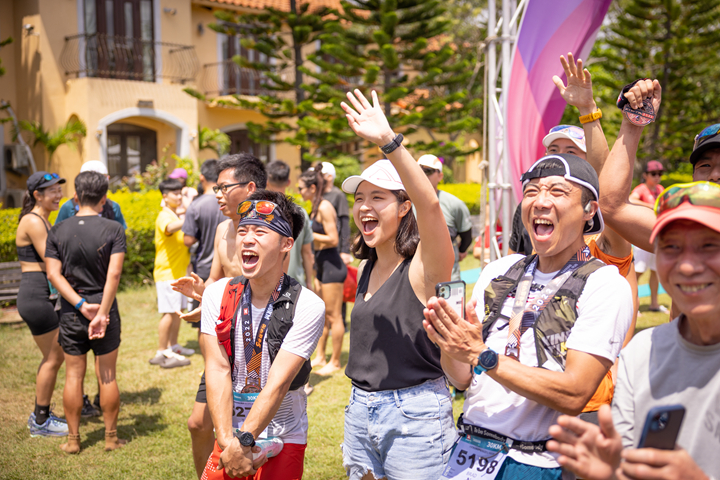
487, 360
246, 439
393, 145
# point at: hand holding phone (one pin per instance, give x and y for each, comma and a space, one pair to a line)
662, 427
454, 294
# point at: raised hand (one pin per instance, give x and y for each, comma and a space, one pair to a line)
590, 451
645, 88
192, 286
578, 92
367, 121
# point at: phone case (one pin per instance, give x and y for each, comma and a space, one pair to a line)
454, 293
662, 427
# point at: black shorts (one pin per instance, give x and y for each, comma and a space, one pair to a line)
73, 336
330, 267
201, 396
34, 304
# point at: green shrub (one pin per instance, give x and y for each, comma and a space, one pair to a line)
469, 193
139, 210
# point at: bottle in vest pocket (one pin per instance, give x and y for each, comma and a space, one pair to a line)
271, 447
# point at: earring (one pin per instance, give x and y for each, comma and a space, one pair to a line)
589, 225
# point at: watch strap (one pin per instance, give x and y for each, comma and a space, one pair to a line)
590, 117
393, 145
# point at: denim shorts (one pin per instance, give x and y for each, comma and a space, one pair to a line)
399, 434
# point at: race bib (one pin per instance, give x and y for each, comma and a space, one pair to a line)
242, 403
476, 459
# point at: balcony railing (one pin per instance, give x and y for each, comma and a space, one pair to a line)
128, 58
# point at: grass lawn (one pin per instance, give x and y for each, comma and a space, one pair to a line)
155, 404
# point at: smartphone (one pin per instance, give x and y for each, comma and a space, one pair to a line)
454, 294
662, 427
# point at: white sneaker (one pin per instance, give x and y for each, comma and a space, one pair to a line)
182, 350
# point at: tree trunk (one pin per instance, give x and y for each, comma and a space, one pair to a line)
299, 92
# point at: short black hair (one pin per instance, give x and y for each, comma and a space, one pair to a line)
278, 172
246, 168
90, 187
209, 170
169, 185
287, 207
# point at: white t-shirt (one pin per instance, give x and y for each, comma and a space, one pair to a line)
290, 422
605, 311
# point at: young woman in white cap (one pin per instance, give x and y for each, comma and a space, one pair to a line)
399, 421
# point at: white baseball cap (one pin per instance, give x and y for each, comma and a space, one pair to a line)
571, 132
328, 169
94, 166
381, 173
430, 161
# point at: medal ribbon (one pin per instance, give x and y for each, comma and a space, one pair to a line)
524, 313
253, 350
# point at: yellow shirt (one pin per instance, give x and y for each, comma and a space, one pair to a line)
172, 257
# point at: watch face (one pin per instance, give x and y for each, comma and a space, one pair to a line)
488, 359
246, 439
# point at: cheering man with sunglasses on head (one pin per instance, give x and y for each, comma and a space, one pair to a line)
266, 326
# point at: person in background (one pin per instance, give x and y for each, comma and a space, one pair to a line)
34, 305
645, 194
330, 268
301, 260
171, 261
339, 202
188, 193
111, 210
456, 213
84, 257
672, 363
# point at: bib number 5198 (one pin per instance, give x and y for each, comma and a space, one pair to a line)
483, 464
474, 460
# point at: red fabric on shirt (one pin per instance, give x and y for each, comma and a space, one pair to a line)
646, 195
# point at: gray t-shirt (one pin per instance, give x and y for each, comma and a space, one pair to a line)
457, 218
295, 269
660, 368
201, 220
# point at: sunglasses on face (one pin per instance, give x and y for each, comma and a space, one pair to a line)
225, 188
706, 134
572, 130
700, 194
654, 174
257, 208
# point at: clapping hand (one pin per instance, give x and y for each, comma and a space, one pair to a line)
461, 339
368, 121
192, 286
579, 91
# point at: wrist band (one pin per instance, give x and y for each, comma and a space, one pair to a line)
591, 117
393, 145
79, 304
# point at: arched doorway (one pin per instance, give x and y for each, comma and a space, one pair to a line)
130, 148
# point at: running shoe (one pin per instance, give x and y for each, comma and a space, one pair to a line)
173, 360
88, 409
182, 350
53, 427
158, 359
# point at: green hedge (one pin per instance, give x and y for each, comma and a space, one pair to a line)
139, 210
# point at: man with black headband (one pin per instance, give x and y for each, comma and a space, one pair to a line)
541, 332
266, 327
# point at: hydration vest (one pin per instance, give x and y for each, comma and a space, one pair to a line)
280, 323
552, 328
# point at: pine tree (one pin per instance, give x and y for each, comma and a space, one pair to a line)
676, 42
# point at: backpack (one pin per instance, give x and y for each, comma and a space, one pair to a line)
552, 328
280, 323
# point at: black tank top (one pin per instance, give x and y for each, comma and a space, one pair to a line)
28, 253
317, 227
389, 348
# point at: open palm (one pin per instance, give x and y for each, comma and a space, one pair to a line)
578, 92
367, 121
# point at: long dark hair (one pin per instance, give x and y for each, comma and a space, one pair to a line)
313, 176
407, 236
29, 203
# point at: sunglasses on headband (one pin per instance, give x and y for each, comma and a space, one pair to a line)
700, 194
257, 208
706, 134
572, 130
